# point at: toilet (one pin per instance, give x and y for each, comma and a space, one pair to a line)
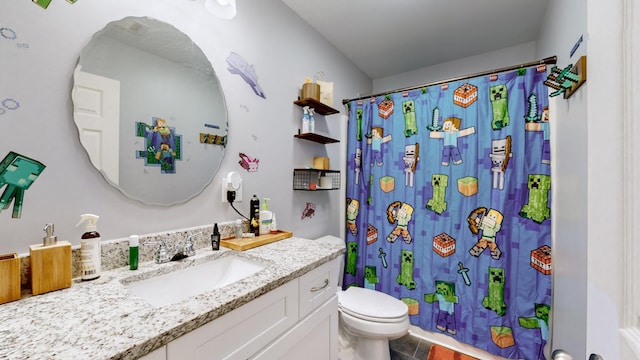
368, 319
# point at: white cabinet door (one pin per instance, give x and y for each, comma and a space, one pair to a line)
318, 286
242, 332
314, 338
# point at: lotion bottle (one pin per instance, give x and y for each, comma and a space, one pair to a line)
90, 250
266, 217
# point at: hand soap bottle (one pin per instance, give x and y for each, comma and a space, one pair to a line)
266, 216
50, 263
90, 248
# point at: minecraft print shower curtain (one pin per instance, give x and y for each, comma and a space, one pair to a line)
448, 207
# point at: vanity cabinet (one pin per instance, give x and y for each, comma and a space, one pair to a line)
302, 178
296, 320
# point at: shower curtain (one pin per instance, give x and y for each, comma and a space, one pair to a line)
448, 207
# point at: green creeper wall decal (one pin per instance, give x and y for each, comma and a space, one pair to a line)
18, 172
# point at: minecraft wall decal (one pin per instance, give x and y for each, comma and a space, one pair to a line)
568, 79
248, 163
18, 172
239, 66
162, 145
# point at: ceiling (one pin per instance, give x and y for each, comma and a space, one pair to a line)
385, 38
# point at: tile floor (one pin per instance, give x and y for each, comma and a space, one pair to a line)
409, 348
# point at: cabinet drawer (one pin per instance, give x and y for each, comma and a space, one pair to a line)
242, 332
318, 285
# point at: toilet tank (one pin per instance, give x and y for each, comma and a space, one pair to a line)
330, 239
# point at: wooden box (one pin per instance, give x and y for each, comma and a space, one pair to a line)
50, 267
311, 91
321, 163
9, 278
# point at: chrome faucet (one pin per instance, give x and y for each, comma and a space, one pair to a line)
162, 255
188, 247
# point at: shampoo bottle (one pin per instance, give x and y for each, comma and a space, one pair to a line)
254, 215
134, 241
90, 250
266, 216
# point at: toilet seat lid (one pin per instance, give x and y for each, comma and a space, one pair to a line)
371, 305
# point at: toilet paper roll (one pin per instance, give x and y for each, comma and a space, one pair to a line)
325, 182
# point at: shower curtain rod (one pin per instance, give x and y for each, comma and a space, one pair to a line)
547, 61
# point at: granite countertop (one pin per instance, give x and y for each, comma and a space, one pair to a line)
98, 320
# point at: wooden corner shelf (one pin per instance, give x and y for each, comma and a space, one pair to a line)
316, 138
319, 107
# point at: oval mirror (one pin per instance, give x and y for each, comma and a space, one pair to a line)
150, 111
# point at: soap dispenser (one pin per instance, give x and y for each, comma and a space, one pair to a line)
90, 250
50, 263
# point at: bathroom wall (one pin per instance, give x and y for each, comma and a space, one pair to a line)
38, 66
565, 23
509, 56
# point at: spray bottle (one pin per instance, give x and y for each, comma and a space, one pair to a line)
90, 250
266, 216
312, 120
306, 120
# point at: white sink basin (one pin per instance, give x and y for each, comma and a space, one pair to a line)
175, 286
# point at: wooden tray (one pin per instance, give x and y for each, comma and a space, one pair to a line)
250, 243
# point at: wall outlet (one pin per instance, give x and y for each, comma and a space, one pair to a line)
226, 187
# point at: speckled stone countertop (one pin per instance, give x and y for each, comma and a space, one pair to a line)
98, 319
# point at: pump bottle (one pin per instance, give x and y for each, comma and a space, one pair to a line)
306, 120
266, 216
312, 120
90, 250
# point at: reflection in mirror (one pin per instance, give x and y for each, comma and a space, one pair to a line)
150, 111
